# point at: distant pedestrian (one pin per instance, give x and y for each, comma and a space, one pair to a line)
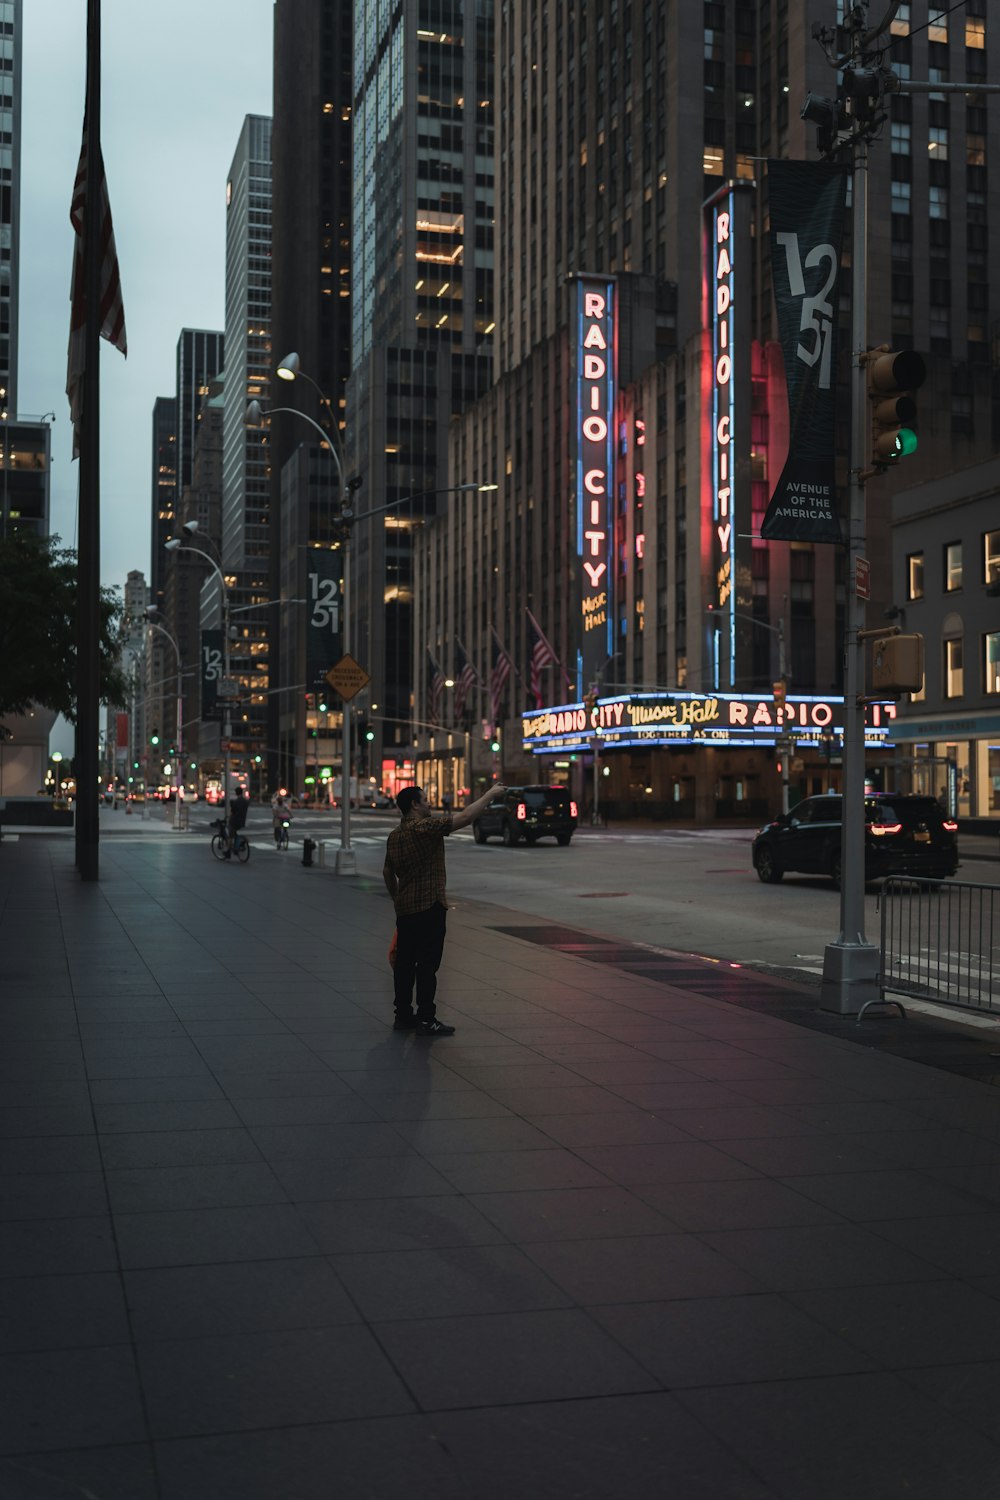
414, 875
281, 812
446, 802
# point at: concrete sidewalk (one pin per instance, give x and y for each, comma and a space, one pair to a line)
628, 1233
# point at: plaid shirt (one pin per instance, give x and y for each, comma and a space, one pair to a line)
414, 852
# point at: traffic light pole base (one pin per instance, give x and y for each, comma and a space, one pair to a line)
346, 862
850, 977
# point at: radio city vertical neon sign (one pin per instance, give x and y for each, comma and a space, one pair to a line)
720, 278
596, 375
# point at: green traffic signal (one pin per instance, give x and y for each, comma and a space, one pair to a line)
154, 739
494, 746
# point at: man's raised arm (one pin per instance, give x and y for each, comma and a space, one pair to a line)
463, 818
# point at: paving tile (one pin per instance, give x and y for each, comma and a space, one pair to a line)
47, 1119
152, 1090
981, 1182
149, 1189
863, 1196
465, 1104
685, 1161
512, 1357
506, 1133
575, 1213
700, 1094
59, 1398
61, 1312
587, 1098
199, 1236
52, 1247
823, 1255
448, 1281
644, 1268
318, 1109
239, 1297
122, 1472
317, 1083
381, 1224
51, 1195
810, 1155
165, 1114
910, 1323
267, 1379
867, 1436
373, 1459
625, 1127
730, 1341
178, 1148
971, 1249
507, 1171
750, 1203
970, 1390
401, 1176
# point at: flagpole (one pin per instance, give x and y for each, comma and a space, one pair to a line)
89, 550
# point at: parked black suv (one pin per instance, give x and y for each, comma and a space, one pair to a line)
903, 836
530, 813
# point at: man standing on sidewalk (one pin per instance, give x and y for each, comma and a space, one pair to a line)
414, 875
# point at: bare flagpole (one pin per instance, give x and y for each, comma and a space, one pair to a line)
88, 683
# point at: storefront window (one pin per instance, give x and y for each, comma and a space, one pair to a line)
991, 662
915, 576
953, 566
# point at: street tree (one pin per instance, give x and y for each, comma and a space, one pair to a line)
38, 629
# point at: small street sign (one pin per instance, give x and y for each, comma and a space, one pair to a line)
225, 745
347, 677
862, 578
228, 688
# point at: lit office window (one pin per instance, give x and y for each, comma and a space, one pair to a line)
952, 567
954, 682
991, 557
991, 661
915, 576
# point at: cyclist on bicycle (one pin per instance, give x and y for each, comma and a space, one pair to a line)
238, 809
281, 813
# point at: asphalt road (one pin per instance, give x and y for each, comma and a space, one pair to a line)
692, 890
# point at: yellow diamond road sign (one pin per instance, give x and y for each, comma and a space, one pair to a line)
348, 677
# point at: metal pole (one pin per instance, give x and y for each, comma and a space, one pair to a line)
788, 741
346, 861
179, 747
227, 721
850, 965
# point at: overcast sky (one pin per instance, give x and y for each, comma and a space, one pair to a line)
178, 80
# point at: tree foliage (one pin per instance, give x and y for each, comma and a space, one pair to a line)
38, 628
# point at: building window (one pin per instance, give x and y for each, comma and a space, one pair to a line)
975, 32
915, 576
900, 137
991, 558
900, 197
953, 675
952, 567
937, 144
937, 202
991, 662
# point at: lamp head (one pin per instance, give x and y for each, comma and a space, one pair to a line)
188, 529
172, 544
288, 369
254, 414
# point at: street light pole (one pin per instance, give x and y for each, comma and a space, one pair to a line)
179, 747
176, 545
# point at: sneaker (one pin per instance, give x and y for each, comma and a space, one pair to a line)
404, 1023
434, 1028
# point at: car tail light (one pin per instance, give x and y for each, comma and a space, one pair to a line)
572, 810
522, 812
880, 828
949, 826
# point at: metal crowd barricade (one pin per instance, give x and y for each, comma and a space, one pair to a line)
941, 942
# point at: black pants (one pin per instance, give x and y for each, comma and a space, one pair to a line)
419, 948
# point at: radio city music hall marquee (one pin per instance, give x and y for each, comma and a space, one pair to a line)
596, 377
720, 719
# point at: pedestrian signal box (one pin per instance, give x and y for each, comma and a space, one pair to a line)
897, 665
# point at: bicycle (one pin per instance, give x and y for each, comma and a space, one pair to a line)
223, 846
281, 833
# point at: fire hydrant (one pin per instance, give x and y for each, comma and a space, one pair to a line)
308, 845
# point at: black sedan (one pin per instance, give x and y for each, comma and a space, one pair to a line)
904, 835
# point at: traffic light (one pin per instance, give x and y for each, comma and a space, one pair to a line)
369, 734
590, 701
154, 738
780, 691
830, 118
495, 744
893, 376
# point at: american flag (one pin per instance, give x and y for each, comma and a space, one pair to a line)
435, 687
466, 678
540, 655
112, 311
499, 672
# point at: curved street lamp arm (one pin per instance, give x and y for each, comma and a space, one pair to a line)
327, 438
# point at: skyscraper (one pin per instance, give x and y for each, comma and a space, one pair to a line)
627, 137
421, 296
10, 194
165, 491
